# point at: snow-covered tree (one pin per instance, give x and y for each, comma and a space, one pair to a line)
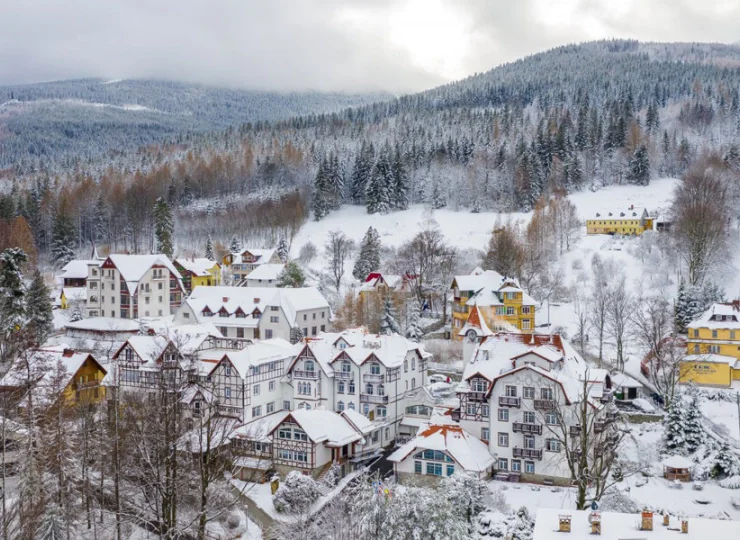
400, 187
467, 493
164, 227
361, 172
388, 323
64, 238
76, 313
53, 525
338, 248
639, 167
321, 203
413, 328
12, 296
235, 246
683, 431
291, 277
369, 258
282, 250
378, 193
726, 462
38, 309
210, 254
296, 494
296, 334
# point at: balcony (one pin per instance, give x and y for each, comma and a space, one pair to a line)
301, 374
229, 410
88, 384
527, 453
344, 375
372, 377
544, 404
476, 396
508, 401
369, 398
520, 427
599, 426
575, 431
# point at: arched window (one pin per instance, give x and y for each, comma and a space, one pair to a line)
381, 390
340, 387
405, 366
351, 387
365, 409
369, 389
407, 385
340, 406
413, 382
351, 405
413, 363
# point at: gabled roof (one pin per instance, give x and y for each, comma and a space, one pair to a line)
77, 269
133, 267
253, 355
266, 272
200, 267
360, 422
477, 280
324, 426
546, 352
469, 452
262, 255
104, 324
476, 323
726, 310
259, 430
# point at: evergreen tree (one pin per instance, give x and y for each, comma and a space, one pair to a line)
296, 334
335, 184
38, 309
164, 227
388, 323
726, 462
694, 426
282, 250
12, 297
369, 258
361, 172
652, 119
413, 329
438, 199
378, 192
320, 201
674, 433
235, 246
291, 277
63, 239
400, 197
76, 314
639, 168
692, 302
52, 525
210, 254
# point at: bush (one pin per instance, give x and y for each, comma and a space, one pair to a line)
731, 482
296, 494
307, 253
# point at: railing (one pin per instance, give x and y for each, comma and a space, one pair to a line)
230, 410
301, 374
372, 377
544, 404
575, 431
508, 401
527, 453
458, 308
368, 398
88, 384
477, 396
346, 375
520, 427
599, 426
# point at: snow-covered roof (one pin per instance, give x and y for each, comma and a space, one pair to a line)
77, 269
719, 316
376, 278
259, 430
325, 426
617, 213
262, 255
617, 525
625, 381
133, 267
479, 279
200, 267
677, 462
476, 323
710, 358
252, 355
470, 452
266, 272
104, 324
360, 422
246, 299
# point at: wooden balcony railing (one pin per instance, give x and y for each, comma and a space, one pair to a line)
507, 401
544, 404
527, 453
522, 427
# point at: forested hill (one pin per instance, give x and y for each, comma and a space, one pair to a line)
55, 124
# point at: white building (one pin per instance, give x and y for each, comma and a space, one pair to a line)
256, 312
265, 275
133, 286
245, 261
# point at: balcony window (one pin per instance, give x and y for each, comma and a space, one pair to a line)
529, 417
369, 389
375, 369
529, 442
546, 393
528, 392
346, 367
309, 365
510, 391
479, 385
381, 390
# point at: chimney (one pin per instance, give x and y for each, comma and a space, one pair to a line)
564, 523
225, 299
684, 526
647, 521
68, 353
666, 520
595, 519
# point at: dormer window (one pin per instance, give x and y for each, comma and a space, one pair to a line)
346, 367
479, 385
207, 312
375, 368
223, 313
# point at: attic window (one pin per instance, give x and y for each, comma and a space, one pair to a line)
225, 299
256, 300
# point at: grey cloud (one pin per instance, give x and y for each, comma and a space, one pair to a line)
299, 44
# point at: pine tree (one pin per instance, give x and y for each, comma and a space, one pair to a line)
320, 201
413, 329
76, 314
296, 334
235, 246
378, 193
694, 426
674, 433
63, 239
282, 250
12, 292
164, 227
361, 172
53, 525
210, 254
335, 182
291, 277
38, 309
400, 197
726, 462
369, 258
639, 168
438, 199
388, 323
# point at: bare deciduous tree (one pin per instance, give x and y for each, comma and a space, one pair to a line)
338, 249
618, 313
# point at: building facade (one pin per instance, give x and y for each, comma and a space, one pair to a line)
632, 221
713, 347
198, 272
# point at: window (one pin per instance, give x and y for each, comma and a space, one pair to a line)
322, 315
270, 407
551, 418
696, 349
552, 445
485, 411
313, 330
516, 465
528, 417
450, 470
526, 310
305, 332
529, 467
503, 464
346, 368
160, 288
405, 366
485, 434
112, 299
351, 405
413, 382
528, 392
503, 415
224, 331
529, 442
351, 387
286, 405
732, 334
525, 324
227, 370
471, 409
503, 439
305, 316
256, 411
227, 392
714, 349
93, 285
239, 332
256, 390
274, 319
479, 385
369, 389
340, 406
365, 409
375, 369
380, 412
299, 434
309, 365
323, 328
714, 333
274, 308
434, 469
413, 363
510, 391
417, 467
340, 387
268, 334
511, 310
696, 332
546, 393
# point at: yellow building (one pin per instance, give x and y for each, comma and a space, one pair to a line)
198, 272
632, 221
501, 302
713, 347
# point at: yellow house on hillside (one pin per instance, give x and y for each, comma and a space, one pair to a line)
500, 301
198, 272
713, 347
632, 221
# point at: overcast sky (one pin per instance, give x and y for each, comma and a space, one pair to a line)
348, 45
